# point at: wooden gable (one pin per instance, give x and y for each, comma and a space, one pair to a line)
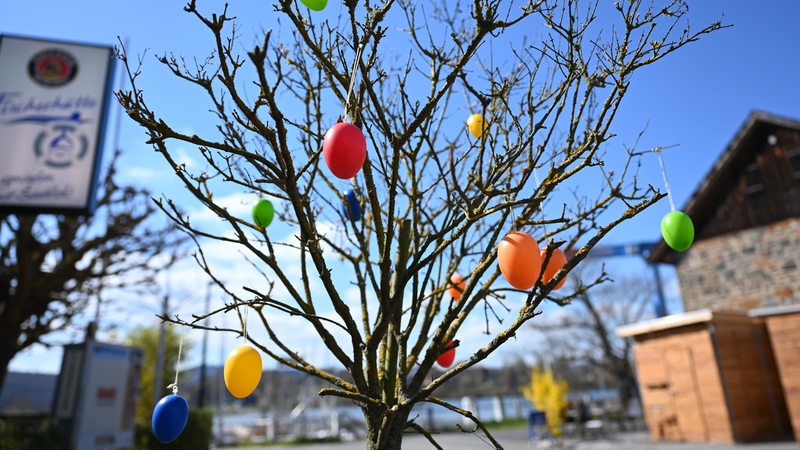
755, 182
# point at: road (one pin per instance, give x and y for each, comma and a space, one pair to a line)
517, 439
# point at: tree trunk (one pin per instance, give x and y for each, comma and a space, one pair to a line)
384, 428
628, 392
8, 348
9, 332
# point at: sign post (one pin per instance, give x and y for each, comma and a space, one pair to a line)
54, 102
96, 395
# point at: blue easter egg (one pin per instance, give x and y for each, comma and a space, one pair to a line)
351, 208
169, 418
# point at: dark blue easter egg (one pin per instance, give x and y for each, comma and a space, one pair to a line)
351, 208
169, 418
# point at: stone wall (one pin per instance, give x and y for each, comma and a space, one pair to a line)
753, 268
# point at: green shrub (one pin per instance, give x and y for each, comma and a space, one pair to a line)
30, 433
196, 436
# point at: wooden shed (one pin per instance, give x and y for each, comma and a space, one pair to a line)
708, 376
783, 325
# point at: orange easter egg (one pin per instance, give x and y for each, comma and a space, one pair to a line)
456, 286
556, 262
519, 259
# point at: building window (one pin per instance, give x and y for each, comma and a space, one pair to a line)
794, 161
752, 177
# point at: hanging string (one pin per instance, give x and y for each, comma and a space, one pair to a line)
244, 325
174, 386
513, 214
536, 179
352, 81
666, 182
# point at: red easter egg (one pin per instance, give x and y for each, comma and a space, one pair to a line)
556, 262
344, 150
456, 286
519, 259
446, 359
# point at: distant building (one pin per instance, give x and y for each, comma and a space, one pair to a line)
27, 394
746, 214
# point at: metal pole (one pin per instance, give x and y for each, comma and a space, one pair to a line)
201, 395
659, 304
220, 405
162, 338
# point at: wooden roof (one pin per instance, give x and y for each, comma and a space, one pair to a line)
716, 190
774, 311
675, 321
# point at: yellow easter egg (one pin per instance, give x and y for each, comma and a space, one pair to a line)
242, 371
475, 124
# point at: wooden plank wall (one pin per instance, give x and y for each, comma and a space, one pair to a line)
756, 402
784, 332
760, 189
773, 380
659, 413
682, 394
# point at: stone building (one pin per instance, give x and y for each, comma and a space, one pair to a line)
746, 214
711, 374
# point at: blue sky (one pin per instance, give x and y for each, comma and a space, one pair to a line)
692, 102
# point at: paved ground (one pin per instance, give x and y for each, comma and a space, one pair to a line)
517, 439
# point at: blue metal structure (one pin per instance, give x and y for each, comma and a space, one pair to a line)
643, 250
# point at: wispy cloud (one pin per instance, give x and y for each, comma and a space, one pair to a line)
141, 173
238, 204
184, 157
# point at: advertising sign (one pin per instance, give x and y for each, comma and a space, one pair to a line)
97, 391
53, 105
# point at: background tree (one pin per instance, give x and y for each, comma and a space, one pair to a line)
548, 78
549, 395
586, 334
146, 338
198, 431
52, 265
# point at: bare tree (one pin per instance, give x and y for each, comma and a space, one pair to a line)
586, 334
548, 77
53, 265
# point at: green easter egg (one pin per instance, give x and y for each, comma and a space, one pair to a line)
263, 212
316, 5
678, 230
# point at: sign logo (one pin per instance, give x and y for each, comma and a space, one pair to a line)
52, 67
59, 143
60, 146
